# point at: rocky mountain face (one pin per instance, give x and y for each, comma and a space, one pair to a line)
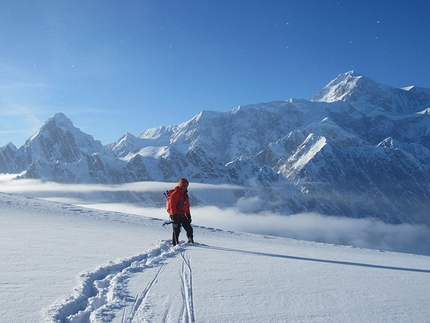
357, 149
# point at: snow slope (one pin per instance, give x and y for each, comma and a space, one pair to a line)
64, 263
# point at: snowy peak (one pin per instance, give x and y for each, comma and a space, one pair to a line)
357, 89
124, 145
338, 89
57, 121
9, 147
61, 121
59, 140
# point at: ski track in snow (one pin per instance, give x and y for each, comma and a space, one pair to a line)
187, 288
103, 291
140, 299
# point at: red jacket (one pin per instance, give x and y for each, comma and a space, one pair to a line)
178, 202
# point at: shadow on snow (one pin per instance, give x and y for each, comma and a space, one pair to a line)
337, 262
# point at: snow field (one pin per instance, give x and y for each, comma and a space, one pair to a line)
62, 263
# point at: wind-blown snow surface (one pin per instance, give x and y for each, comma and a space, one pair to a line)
63, 263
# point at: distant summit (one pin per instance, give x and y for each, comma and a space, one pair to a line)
59, 140
342, 87
357, 89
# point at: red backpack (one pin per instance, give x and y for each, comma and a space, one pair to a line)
179, 205
168, 195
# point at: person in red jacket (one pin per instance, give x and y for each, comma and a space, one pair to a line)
178, 207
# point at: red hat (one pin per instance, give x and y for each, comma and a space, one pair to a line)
183, 182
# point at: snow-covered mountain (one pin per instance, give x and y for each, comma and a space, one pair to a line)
357, 149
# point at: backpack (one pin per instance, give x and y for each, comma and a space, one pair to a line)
168, 195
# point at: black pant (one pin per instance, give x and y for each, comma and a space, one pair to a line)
177, 229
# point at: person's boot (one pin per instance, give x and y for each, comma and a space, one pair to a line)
175, 234
175, 240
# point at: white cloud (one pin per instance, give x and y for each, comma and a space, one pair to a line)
29, 186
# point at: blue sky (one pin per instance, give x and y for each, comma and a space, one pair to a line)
125, 66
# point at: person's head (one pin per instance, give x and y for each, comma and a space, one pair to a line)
183, 183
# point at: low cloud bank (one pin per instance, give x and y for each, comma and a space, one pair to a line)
33, 186
363, 233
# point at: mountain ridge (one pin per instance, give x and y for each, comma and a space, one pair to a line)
356, 149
